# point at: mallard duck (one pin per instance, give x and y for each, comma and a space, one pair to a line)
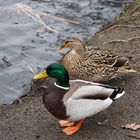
75, 100
92, 64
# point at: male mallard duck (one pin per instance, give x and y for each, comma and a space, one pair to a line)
76, 99
92, 64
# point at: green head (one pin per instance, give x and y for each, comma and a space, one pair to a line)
56, 71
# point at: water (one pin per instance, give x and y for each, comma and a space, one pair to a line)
22, 41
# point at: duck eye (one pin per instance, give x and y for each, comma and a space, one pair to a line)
67, 41
49, 69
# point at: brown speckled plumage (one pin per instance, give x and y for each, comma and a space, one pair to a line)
92, 64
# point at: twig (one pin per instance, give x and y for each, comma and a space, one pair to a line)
35, 15
130, 26
118, 129
121, 41
115, 41
135, 9
61, 18
29, 67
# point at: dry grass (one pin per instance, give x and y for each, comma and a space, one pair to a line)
29, 67
38, 15
35, 15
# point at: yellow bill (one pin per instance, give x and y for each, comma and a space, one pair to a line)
41, 75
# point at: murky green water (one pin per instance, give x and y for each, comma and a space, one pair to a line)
23, 41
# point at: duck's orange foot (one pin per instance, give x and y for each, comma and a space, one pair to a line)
72, 129
64, 123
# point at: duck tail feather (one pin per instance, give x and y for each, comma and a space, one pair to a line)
117, 94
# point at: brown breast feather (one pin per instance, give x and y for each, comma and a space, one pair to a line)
52, 100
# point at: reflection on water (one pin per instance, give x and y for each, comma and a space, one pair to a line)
21, 40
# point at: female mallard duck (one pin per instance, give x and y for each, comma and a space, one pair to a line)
92, 64
76, 99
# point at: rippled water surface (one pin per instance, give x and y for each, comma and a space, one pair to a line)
22, 40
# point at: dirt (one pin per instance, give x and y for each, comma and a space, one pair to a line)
27, 119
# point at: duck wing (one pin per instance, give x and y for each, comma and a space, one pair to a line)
118, 61
107, 57
81, 89
90, 99
94, 92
